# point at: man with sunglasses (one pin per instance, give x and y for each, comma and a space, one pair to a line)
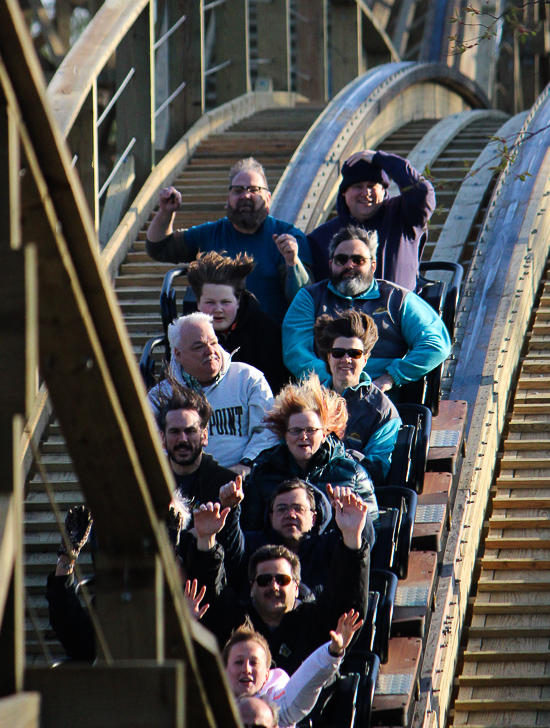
412, 338
292, 628
280, 250
399, 221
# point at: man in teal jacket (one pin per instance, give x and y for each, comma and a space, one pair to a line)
412, 337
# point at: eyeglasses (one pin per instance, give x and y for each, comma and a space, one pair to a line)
282, 509
338, 353
264, 580
342, 259
295, 431
241, 189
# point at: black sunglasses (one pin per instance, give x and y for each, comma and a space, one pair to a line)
352, 353
264, 580
342, 259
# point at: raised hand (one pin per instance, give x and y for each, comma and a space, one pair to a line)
78, 523
232, 493
209, 519
169, 200
194, 596
350, 513
348, 624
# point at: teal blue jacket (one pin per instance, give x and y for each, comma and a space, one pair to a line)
414, 326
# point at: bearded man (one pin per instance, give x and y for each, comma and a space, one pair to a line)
280, 250
412, 339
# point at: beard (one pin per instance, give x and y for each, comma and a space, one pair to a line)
352, 285
246, 216
184, 454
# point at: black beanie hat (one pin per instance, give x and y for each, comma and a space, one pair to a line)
362, 171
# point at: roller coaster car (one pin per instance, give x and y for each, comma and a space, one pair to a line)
443, 298
148, 362
417, 423
385, 584
347, 702
404, 501
168, 304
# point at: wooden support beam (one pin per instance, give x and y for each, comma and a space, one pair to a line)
135, 107
185, 64
20, 711
232, 44
273, 24
132, 694
312, 49
346, 44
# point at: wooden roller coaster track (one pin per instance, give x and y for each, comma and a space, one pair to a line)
429, 113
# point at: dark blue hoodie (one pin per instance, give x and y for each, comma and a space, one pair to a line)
400, 223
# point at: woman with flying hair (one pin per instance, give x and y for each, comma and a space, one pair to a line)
310, 421
242, 328
344, 342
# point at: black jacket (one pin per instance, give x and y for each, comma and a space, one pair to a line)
330, 464
301, 630
209, 478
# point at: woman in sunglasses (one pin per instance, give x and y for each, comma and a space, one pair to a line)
344, 342
247, 660
310, 421
242, 328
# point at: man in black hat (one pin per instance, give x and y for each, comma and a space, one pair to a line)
399, 221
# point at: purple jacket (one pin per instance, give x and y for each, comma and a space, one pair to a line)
400, 223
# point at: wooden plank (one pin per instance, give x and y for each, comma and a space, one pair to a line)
518, 632
526, 444
20, 711
507, 523
125, 694
498, 681
488, 704
480, 607
514, 503
531, 463
505, 656
513, 585
522, 481
533, 542
501, 563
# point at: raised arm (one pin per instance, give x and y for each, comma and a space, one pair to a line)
301, 692
162, 224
